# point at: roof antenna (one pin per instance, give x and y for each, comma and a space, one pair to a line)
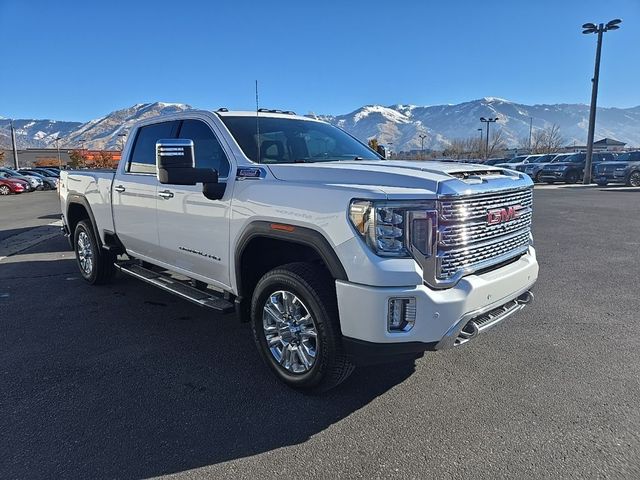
257, 124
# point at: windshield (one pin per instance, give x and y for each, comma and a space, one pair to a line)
516, 160
629, 157
575, 158
291, 140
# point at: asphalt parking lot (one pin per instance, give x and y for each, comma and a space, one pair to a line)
123, 381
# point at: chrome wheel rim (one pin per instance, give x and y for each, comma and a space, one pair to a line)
290, 331
4, 190
85, 253
635, 179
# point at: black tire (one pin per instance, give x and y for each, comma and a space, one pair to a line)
536, 178
602, 184
634, 179
549, 182
572, 177
102, 268
316, 289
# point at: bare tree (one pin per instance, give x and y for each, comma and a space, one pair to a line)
547, 140
1, 157
496, 143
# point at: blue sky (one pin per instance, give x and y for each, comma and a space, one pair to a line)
76, 60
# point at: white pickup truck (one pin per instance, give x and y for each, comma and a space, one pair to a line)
335, 255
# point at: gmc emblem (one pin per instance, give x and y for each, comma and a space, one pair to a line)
502, 215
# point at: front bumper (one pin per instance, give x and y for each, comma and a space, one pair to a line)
557, 176
440, 314
610, 177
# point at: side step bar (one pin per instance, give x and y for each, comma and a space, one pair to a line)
199, 297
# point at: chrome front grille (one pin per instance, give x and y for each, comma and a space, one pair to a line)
467, 242
464, 209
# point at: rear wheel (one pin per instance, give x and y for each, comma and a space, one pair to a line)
4, 190
634, 179
294, 318
602, 184
96, 264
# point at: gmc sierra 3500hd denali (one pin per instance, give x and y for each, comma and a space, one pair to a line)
336, 256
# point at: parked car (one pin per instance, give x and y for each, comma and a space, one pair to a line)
494, 161
534, 166
47, 172
383, 260
10, 185
49, 183
514, 162
624, 169
571, 168
34, 182
23, 179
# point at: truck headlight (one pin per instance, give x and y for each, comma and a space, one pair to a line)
383, 225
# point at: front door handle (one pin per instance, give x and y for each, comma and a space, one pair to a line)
165, 194
119, 188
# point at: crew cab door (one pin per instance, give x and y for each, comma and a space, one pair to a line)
193, 230
134, 191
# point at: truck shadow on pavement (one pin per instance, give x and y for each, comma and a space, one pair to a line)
124, 381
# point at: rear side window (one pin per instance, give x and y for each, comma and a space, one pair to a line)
208, 151
143, 156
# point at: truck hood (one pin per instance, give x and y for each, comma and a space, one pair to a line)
404, 179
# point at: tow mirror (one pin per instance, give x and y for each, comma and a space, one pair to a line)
175, 160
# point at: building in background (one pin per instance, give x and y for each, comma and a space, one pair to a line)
48, 157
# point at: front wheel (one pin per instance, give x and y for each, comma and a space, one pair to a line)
294, 318
634, 180
96, 264
572, 177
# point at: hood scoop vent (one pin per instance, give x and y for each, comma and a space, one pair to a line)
477, 174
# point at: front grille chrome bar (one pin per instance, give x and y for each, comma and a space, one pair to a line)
466, 241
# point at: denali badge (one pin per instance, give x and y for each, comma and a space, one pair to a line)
501, 215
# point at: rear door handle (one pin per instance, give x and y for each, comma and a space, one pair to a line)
119, 188
165, 194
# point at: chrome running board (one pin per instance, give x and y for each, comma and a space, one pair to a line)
177, 287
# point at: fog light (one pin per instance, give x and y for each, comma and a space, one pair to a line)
401, 315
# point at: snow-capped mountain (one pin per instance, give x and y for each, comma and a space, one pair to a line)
101, 133
403, 126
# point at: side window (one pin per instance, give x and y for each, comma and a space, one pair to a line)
143, 156
208, 151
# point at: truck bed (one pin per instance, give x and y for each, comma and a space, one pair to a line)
95, 186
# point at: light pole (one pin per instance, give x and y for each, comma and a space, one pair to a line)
122, 135
422, 137
390, 151
488, 121
599, 29
480, 130
57, 140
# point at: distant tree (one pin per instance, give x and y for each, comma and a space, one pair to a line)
76, 159
1, 157
547, 140
373, 144
496, 143
103, 160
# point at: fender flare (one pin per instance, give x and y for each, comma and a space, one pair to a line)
301, 235
77, 199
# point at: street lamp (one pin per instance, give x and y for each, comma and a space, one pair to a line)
488, 121
599, 29
57, 140
422, 137
122, 135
